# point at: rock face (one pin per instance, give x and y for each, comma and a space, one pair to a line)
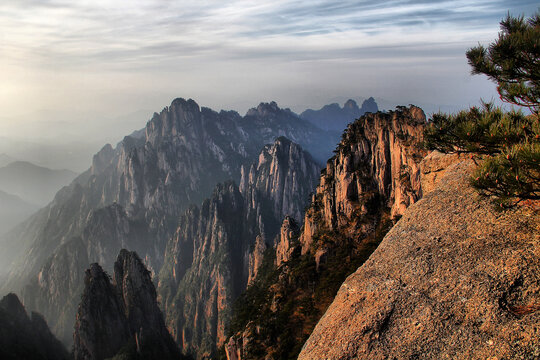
23, 337
334, 117
122, 317
376, 161
453, 279
365, 187
146, 183
256, 258
279, 183
288, 241
219, 246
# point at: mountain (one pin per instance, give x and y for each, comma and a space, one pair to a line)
121, 319
334, 117
24, 337
34, 184
455, 278
218, 246
133, 195
13, 210
366, 186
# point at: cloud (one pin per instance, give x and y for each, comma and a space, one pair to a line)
165, 46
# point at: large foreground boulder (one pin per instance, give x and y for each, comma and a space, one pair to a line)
454, 278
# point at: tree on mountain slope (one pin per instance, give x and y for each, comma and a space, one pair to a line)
509, 141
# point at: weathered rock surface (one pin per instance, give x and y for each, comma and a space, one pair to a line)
288, 241
281, 181
218, 247
256, 258
23, 337
122, 317
372, 178
377, 160
454, 278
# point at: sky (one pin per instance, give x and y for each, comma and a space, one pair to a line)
69, 66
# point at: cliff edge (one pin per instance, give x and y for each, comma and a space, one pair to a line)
454, 278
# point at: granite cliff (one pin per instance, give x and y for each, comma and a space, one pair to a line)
218, 247
454, 278
366, 186
121, 319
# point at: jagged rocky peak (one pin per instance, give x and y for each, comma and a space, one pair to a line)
102, 159
351, 105
369, 105
376, 162
334, 117
284, 175
121, 317
287, 243
266, 109
256, 258
24, 337
173, 120
13, 305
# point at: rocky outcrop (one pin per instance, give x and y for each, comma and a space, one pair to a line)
121, 318
279, 184
377, 161
369, 106
455, 278
23, 337
336, 118
59, 284
219, 247
256, 258
287, 243
153, 176
372, 178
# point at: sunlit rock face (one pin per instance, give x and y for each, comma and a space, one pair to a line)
377, 160
454, 278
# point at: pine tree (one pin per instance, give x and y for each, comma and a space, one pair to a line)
513, 61
509, 142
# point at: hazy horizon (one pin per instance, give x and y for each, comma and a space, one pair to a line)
75, 72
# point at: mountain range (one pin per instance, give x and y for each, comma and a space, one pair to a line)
32, 183
336, 118
132, 196
211, 235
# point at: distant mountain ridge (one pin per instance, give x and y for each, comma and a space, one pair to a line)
32, 183
336, 118
13, 210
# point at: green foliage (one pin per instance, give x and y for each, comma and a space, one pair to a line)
488, 130
512, 61
284, 304
512, 176
509, 141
